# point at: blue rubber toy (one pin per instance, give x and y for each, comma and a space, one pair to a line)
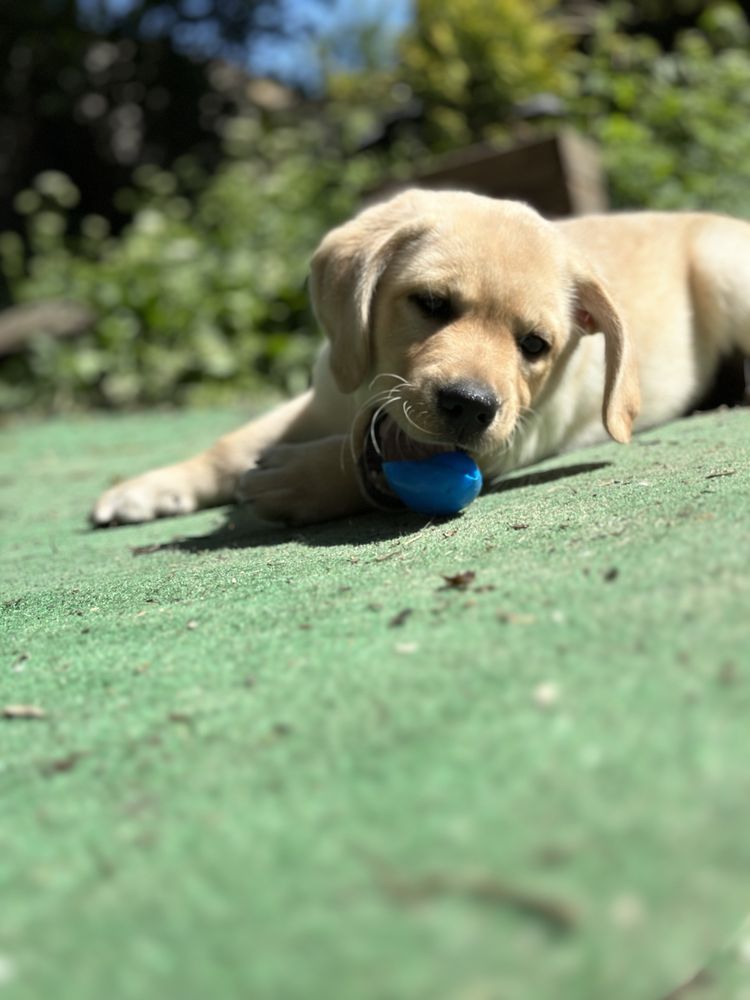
442, 484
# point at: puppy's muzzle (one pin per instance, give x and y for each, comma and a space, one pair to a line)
461, 413
465, 409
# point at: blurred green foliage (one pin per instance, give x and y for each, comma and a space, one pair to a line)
469, 62
674, 126
202, 293
456, 76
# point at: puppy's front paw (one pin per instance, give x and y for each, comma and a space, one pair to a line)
161, 493
303, 483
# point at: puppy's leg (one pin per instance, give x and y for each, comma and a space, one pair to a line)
211, 478
305, 483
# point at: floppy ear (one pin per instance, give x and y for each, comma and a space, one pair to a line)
596, 313
344, 275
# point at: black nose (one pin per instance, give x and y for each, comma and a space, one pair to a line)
467, 408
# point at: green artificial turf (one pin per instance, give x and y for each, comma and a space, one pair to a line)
305, 765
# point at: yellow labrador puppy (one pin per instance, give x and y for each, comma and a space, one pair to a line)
456, 321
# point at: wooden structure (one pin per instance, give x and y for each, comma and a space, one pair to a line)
53, 318
558, 175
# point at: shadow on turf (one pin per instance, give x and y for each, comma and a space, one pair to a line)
523, 479
241, 529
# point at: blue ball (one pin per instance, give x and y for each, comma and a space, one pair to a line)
441, 484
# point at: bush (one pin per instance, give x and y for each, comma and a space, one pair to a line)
469, 62
674, 126
203, 293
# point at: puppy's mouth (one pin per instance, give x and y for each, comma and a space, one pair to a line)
385, 441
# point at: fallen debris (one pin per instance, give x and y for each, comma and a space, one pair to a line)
556, 913
459, 581
23, 712
546, 694
515, 618
406, 648
61, 765
398, 620
146, 550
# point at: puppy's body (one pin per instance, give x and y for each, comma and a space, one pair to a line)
647, 261
460, 321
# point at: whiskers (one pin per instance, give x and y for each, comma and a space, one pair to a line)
407, 411
388, 400
378, 403
433, 437
408, 433
397, 378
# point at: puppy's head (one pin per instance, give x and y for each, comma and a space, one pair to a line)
452, 315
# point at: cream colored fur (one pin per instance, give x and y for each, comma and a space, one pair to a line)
637, 310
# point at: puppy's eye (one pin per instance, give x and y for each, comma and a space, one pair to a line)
533, 346
438, 307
